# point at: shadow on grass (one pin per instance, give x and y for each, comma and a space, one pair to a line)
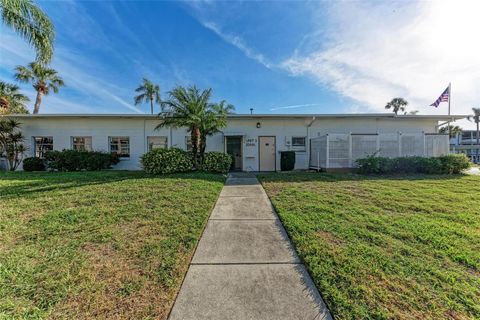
30, 183
335, 177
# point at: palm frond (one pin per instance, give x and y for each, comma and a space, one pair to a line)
31, 23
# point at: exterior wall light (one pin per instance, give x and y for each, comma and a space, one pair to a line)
258, 125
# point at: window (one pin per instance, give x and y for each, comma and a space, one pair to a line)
188, 143
298, 143
42, 145
120, 146
156, 143
82, 143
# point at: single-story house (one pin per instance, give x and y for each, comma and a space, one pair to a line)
255, 141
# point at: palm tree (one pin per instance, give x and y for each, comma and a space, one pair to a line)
214, 119
397, 104
31, 23
187, 107
43, 79
11, 100
476, 118
11, 143
150, 92
451, 130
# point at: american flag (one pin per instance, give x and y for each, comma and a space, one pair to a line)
444, 97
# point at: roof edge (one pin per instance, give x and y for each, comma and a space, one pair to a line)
247, 116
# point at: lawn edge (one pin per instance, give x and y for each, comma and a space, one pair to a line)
275, 212
195, 250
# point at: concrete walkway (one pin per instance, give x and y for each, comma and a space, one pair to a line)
244, 266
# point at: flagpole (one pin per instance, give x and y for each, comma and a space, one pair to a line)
449, 99
449, 96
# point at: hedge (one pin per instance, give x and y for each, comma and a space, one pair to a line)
76, 160
449, 164
217, 162
167, 161
33, 164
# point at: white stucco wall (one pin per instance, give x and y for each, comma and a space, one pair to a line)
138, 129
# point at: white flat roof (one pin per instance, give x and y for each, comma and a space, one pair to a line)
249, 116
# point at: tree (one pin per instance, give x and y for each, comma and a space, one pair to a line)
397, 104
214, 119
42, 78
149, 92
11, 100
451, 130
11, 143
190, 108
476, 118
32, 24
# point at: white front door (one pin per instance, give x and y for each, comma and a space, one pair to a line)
267, 153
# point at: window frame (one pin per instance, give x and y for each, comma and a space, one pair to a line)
121, 155
150, 145
73, 144
297, 147
37, 153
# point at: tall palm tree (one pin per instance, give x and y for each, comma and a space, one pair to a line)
150, 92
186, 107
397, 104
42, 78
11, 100
453, 131
476, 118
32, 24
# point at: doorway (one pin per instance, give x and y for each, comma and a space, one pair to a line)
267, 157
234, 149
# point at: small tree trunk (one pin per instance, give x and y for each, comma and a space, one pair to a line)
195, 145
38, 101
151, 106
203, 146
478, 139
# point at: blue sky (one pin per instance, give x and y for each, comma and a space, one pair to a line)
277, 57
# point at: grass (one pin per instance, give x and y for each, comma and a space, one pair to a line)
386, 247
98, 244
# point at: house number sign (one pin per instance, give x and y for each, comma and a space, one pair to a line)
251, 142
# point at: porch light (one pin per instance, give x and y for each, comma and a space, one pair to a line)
258, 125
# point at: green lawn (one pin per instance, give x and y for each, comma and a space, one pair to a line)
98, 244
386, 247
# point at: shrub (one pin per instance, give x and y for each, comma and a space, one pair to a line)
287, 160
75, 160
447, 164
374, 164
33, 164
454, 163
217, 162
167, 161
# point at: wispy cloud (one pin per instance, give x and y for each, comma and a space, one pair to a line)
412, 50
79, 73
239, 43
296, 106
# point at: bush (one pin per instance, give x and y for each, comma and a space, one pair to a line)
454, 163
167, 161
442, 165
217, 162
75, 160
33, 164
415, 165
287, 160
373, 164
